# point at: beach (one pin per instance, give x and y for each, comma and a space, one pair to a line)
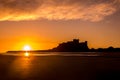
56, 67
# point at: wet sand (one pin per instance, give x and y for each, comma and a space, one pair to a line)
59, 68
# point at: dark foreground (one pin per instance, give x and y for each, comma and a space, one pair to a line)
59, 68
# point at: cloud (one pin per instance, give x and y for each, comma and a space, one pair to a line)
91, 10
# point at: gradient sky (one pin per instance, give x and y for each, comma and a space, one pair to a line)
43, 24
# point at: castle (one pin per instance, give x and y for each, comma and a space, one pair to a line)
72, 46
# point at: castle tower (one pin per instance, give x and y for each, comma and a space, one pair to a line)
76, 40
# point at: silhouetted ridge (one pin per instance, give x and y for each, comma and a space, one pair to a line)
72, 46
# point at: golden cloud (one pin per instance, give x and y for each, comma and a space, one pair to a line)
91, 10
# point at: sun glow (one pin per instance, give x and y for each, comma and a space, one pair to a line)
27, 48
27, 54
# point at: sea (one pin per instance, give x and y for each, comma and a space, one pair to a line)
60, 66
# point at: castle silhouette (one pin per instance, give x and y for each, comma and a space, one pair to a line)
72, 46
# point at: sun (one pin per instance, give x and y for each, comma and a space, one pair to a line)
27, 48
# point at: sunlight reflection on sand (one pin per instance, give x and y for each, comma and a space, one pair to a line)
20, 66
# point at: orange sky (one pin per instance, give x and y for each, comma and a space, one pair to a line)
45, 24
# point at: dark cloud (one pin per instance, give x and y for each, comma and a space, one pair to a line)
92, 10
